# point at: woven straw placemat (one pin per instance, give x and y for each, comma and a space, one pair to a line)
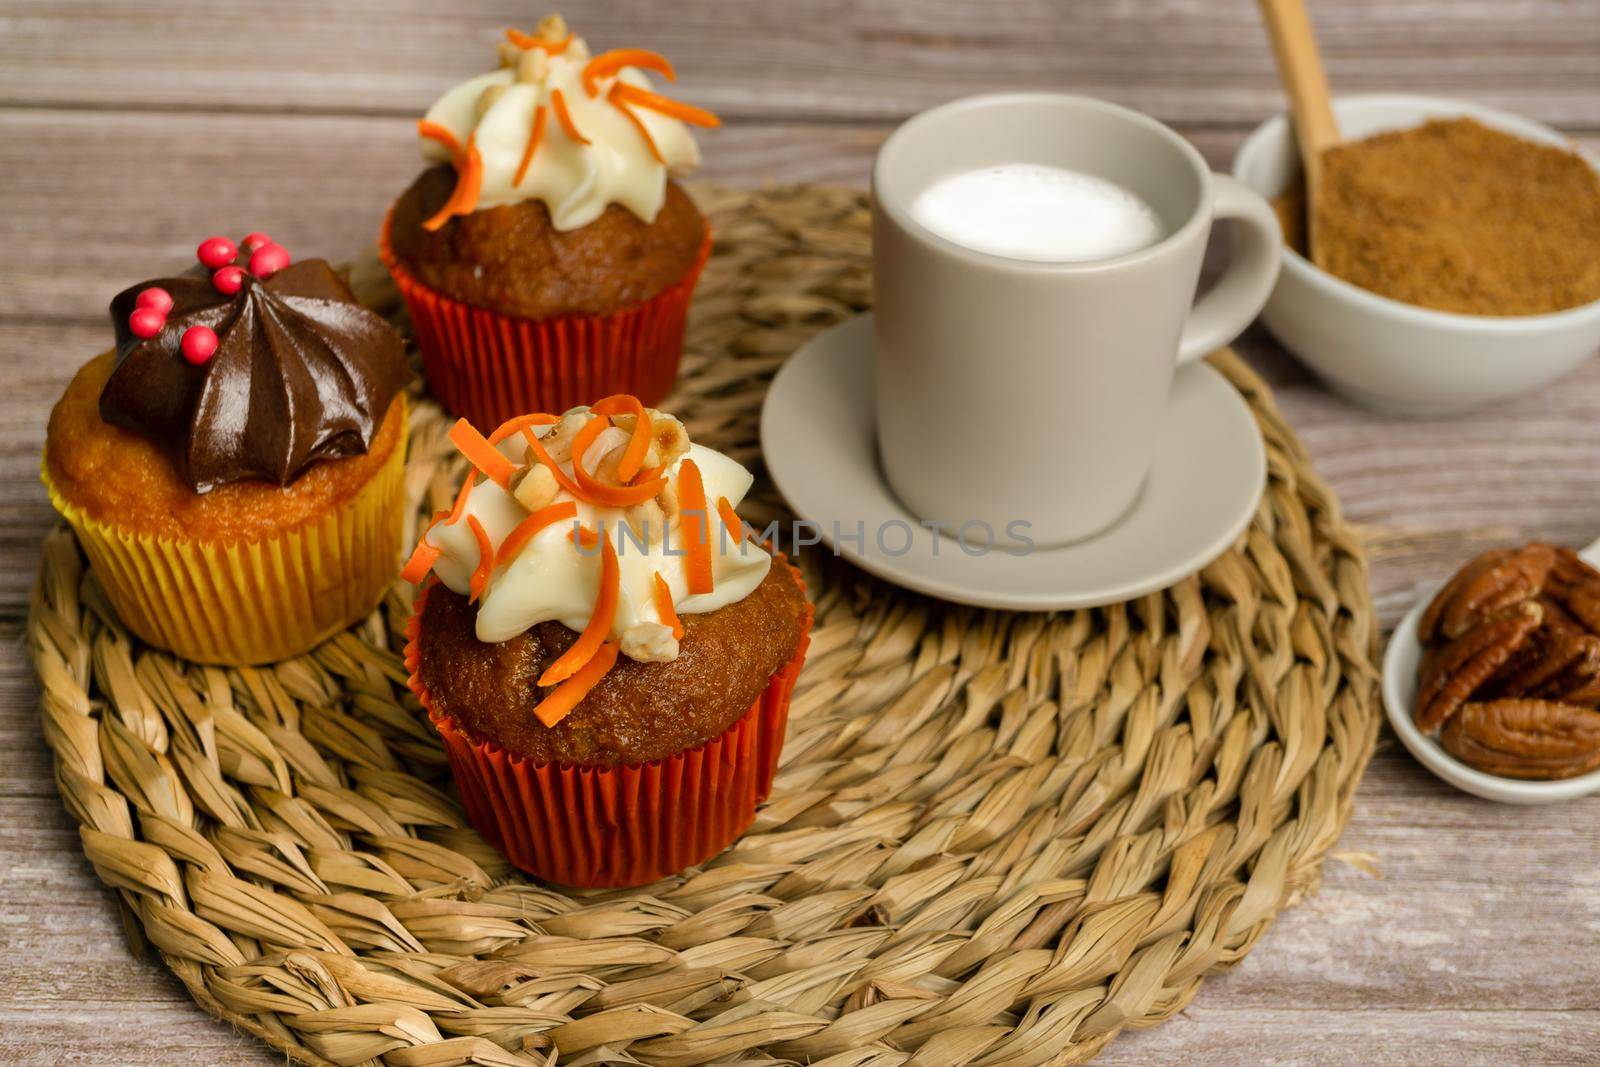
996, 839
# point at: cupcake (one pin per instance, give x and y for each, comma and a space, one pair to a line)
547, 256
606, 650
233, 467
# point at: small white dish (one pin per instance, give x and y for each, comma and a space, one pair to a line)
1399, 693
1391, 356
821, 450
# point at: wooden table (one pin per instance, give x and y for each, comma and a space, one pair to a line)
1448, 930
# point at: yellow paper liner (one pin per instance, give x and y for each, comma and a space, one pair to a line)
251, 601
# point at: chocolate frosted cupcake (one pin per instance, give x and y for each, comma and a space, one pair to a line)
233, 468
607, 653
548, 257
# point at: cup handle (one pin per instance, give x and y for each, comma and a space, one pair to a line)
1239, 295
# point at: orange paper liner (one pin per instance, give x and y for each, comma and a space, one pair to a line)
629, 825
251, 601
490, 367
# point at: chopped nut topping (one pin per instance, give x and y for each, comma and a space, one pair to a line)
536, 488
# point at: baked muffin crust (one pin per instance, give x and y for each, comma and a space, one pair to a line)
116, 475
638, 711
511, 259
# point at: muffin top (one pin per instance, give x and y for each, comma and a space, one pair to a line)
576, 131
512, 260
638, 711
249, 367
120, 477
607, 521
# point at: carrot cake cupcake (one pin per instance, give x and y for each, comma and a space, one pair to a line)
547, 256
233, 467
606, 650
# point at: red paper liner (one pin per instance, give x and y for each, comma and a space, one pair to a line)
630, 825
490, 367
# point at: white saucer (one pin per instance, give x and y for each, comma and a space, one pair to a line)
817, 434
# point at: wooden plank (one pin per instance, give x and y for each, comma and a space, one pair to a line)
97, 200
1218, 1034
1197, 60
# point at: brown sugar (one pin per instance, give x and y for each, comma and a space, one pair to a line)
1456, 216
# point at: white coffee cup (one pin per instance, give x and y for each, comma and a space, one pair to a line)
1020, 401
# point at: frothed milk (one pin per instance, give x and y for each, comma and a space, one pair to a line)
1037, 212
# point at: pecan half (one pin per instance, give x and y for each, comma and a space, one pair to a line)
1454, 674
1549, 665
1582, 602
1557, 619
1428, 625
1570, 570
1525, 738
1584, 695
1487, 586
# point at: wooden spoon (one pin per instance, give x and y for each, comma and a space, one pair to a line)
1300, 68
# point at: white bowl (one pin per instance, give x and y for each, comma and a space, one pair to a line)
1391, 356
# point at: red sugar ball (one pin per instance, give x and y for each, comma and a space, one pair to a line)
253, 240
146, 321
268, 259
215, 252
227, 280
199, 344
155, 298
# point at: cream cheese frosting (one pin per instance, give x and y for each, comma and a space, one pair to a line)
609, 148
552, 578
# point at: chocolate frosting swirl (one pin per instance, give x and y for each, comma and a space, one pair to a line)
301, 374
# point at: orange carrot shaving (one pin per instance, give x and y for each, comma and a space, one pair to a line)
560, 103
584, 538
453, 516
597, 492
539, 116
587, 488
599, 627
555, 707
518, 424
480, 573
669, 617
469, 180
527, 40
435, 132
639, 443
652, 473
528, 527
638, 124
730, 519
633, 94
606, 64
481, 454
421, 562
696, 527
